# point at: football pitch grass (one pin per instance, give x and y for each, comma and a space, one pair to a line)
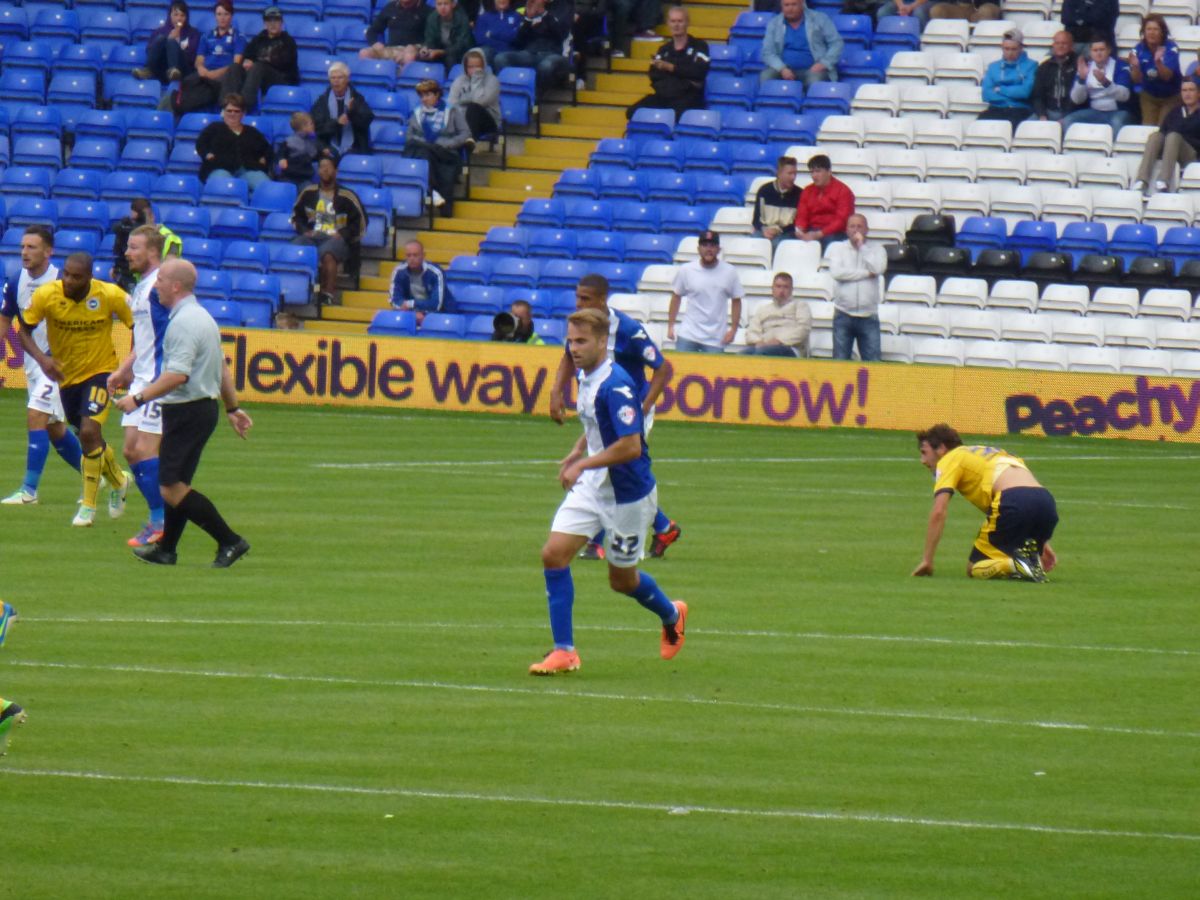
346, 712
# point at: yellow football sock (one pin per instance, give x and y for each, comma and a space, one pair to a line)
112, 471
91, 463
993, 568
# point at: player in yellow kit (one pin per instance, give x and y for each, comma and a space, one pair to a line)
1014, 541
78, 311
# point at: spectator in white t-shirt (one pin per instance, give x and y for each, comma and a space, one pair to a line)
710, 321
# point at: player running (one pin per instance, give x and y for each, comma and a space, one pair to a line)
1014, 542
609, 486
10, 713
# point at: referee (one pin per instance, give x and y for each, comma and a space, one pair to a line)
193, 377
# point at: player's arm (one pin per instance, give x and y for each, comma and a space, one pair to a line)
933, 532
123, 376
159, 387
1049, 557
672, 312
558, 403
622, 450
658, 383
238, 417
29, 345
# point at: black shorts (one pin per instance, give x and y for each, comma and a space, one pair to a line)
186, 429
87, 399
1018, 514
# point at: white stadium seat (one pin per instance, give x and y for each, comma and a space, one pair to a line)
920, 289
841, 131
1116, 301
923, 102
1014, 294
1171, 335
910, 65
975, 324
1130, 333
1094, 359
966, 101
1041, 356
1084, 138
940, 34
969, 292
937, 351
1068, 298
931, 321
990, 354
1034, 134
635, 305
876, 98
900, 164
950, 165
734, 220
889, 131
794, 257
1145, 362
957, 67
1032, 328
961, 199
1167, 303
1077, 330
929, 132
994, 134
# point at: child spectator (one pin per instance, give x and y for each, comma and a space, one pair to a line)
298, 152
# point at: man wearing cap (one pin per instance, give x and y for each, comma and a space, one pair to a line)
270, 58
709, 284
1008, 82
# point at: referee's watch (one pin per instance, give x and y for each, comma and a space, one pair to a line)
139, 400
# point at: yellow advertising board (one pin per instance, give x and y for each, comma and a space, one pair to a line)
307, 367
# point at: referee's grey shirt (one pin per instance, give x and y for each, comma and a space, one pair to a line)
192, 347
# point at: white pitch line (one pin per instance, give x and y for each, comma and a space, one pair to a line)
709, 632
870, 818
620, 698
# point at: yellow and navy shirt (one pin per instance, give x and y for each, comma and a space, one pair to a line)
80, 331
972, 471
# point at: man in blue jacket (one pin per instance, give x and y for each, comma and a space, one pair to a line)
1008, 82
418, 285
800, 45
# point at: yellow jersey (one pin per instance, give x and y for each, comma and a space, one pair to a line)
972, 471
80, 331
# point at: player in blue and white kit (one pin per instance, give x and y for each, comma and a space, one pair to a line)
143, 426
45, 419
609, 486
631, 348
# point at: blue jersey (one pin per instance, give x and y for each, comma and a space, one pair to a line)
219, 50
610, 410
632, 349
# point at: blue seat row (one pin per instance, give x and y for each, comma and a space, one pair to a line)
857, 31
453, 326
510, 271
559, 243
1127, 241
651, 185
627, 215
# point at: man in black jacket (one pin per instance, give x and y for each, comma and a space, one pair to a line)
331, 218
1091, 20
541, 42
397, 32
1051, 98
270, 58
677, 71
342, 117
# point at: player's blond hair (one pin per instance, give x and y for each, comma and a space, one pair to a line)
592, 320
154, 238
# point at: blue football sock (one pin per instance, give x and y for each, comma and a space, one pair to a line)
69, 449
661, 522
145, 473
560, 596
35, 458
650, 595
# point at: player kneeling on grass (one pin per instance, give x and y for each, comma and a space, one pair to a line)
609, 486
1014, 542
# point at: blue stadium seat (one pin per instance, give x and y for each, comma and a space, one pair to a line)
731, 91
247, 256
588, 214
144, 18
650, 248
576, 183
652, 123
831, 95
656, 154
727, 190
144, 156
22, 86
84, 215
127, 91
183, 159
551, 243
1031, 237
897, 33
751, 159
618, 153
213, 284
55, 23
151, 125
707, 156
80, 59
101, 123
1129, 241
514, 272
284, 99
750, 26
122, 60
1081, 238
563, 273
191, 124
672, 187
863, 66
229, 223
552, 331
785, 129
30, 57
479, 299
634, 216
208, 252
99, 154
72, 89
104, 25
37, 121
274, 196
225, 192
982, 233
26, 181
501, 240
352, 36
256, 286
26, 211
314, 67
390, 106
256, 313
277, 227
622, 277
679, 218
413, 73
445, 326
479, 327
619, 184
562, 302
67, 242
293, 258
856, 31
518, 95
13, 25
725, 59
745, 125
393, 323
704, 124
173, 188
538, 211
1181, 243
787, 96
381, 73
357, 168
465, 270
228, 313
125, 185
604, 246
310, 35
81, 183
43, 152
186, 220
388, 137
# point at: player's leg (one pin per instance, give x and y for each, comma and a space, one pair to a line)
666, 530
8, 615
65, 443
576, 518
10, 714
624, 549
143, 430
987, 560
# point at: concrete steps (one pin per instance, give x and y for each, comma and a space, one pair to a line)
332, 326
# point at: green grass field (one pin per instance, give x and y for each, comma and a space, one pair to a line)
346, 713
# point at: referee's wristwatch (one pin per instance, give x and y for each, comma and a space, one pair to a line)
139, 400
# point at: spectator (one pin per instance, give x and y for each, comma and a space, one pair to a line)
297, 154
342, 116
800, 44
418, 285
781, 327
447, 34
857, 266
590, 30
232, 149
288, 321
218, 57
171, 50
1090, 21
677, 71
1154, 69
1051, 98
477, 93
971, 10
402, 23
1177, 141
140, 213
541, 43
331, 218
1008, 82
270, 58
776, 202
709, 285
496, 29
516, 326
1102, 87
918, 9
637, 16
824, 205
437, 133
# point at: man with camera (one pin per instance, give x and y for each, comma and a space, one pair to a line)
140, 213
516, 325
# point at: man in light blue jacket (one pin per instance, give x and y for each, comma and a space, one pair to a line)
800, 45
1008, 82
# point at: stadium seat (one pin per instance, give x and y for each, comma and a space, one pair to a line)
81, 183
14, 27
634, 216
151, 125
900, 32
785, 96
413, 73
257, 287
213, 284
511, 272
503, 240
577, 183
1045, 267
84, 215
186, 220
207, 252
227, 313
283, 99
443, 326
997, 265
247, 256
551, 243
548, 212
143, 156
704, 124
37, 121
1145, 273
171, 188
552, 331
618, 153
30, 58
587, 214
22, 86
1130, 240
1028, 237
232, 192
466, 269
981, 232
126, 91
26, 180
479, 299
602, 246
183, 159
1097, 270
721, 91
39, 152
291, 258
26, 211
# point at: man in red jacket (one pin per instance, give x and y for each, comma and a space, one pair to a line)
824, 205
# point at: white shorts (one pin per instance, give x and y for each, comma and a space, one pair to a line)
147, 417
584, 511
43, 394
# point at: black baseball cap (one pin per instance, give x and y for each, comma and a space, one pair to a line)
272, 12
710, 237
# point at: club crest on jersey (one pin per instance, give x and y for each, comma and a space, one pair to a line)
650, 354
626, 415
93, 303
